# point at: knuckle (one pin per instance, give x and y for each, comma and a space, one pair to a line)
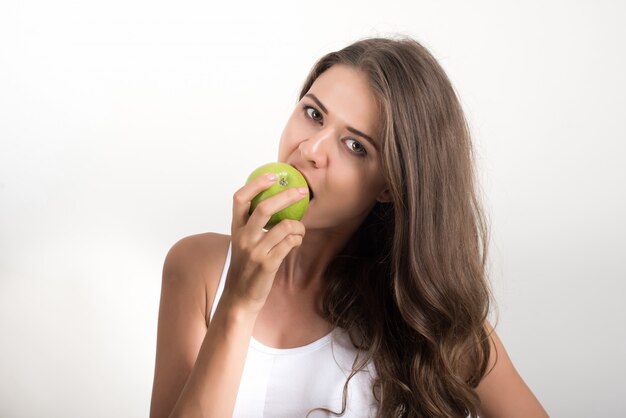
255, 257
264, 209
289, 226
243, 244
242, 247
238, 198
294, 239
296, 227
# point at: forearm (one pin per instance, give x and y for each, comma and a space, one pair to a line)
211, 390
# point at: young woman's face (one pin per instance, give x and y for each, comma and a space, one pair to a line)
330, 137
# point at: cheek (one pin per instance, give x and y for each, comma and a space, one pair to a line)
361, 186
353, 185
285, 144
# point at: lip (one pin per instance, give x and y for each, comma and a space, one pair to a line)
311, 193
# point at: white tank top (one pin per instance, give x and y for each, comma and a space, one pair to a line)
288, 383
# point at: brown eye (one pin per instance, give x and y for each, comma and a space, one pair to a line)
312, 113
356, 147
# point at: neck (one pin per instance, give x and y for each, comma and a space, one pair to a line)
303, 268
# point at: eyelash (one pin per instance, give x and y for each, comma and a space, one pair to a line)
306, 109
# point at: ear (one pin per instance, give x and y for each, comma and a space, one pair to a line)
384, 196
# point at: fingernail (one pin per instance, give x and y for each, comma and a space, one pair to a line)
271, 176
303, 190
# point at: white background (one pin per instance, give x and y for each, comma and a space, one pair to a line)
127, 125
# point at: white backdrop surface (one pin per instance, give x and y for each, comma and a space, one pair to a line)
127, 125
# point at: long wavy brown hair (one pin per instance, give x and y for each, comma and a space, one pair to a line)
411, 286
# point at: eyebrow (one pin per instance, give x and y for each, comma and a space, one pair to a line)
351, 129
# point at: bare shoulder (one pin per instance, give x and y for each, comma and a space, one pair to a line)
503, 392
191, 272
196, 262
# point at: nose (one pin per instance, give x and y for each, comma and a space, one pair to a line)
317, 147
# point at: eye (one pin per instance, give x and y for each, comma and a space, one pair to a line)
312, 113
359, 149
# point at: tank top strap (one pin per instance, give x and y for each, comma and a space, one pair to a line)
220, 285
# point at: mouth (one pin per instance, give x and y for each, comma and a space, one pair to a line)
311, 193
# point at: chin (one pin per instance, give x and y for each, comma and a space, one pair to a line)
313, 220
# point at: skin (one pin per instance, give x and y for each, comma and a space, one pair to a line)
275, 278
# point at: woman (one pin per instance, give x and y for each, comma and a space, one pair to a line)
375, 303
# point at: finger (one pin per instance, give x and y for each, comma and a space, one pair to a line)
243, 197
264, 211
280, 250
278, 233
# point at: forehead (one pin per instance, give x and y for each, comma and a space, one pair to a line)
346, 94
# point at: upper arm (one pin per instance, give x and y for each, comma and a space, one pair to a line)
182, 318
503, 392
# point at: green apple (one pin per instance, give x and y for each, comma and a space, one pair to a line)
288, 177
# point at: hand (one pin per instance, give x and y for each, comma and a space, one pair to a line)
257, 254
